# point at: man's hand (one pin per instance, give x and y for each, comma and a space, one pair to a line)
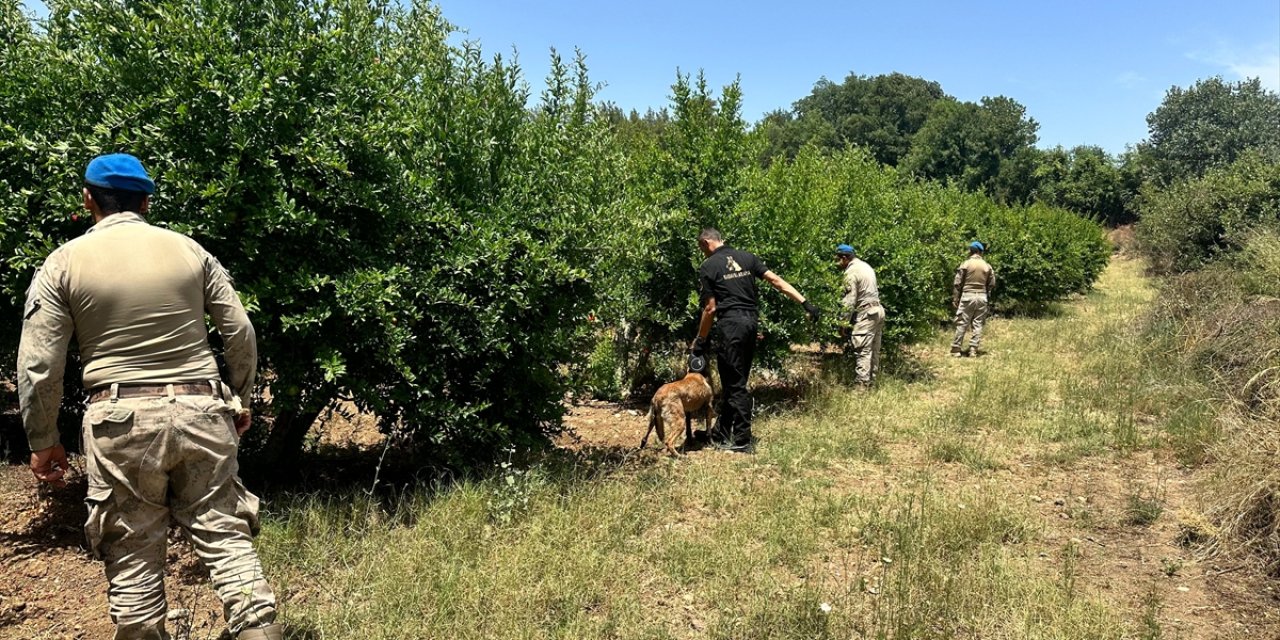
698, 346
243, 420
814, 313
50, 465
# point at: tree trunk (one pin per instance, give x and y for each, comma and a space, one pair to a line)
284, 443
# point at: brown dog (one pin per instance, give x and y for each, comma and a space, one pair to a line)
676, 402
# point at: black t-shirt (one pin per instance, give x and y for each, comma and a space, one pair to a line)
729, 276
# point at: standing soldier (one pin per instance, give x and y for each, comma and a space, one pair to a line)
863, 312
727, 281
971, 293
161, 430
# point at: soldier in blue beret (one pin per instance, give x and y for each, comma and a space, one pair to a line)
971, 298
162, 428
863, 316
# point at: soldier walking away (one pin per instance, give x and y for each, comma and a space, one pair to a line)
971, 297
862, 311
727, 284
161, 429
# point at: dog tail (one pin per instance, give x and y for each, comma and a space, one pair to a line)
653, 423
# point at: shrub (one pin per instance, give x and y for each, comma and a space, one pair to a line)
1192, 222
1223, 324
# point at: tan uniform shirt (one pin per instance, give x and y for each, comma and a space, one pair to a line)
860, 290
973, 276
135, 297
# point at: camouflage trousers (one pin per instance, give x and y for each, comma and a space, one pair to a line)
971, 314
864, 342
152, 459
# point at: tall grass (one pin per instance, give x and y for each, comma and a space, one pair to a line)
886, 514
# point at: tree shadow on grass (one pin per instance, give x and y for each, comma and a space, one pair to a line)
905, 365
389, 476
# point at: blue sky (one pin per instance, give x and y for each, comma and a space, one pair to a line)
1089, 72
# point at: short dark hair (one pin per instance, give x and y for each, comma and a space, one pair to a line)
710, 234
111, 201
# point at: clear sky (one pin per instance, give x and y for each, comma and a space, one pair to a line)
1088, 71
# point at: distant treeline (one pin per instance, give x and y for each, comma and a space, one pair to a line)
989, 147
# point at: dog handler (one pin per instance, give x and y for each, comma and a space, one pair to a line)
971, 293
161, 429
861, 303
727, 282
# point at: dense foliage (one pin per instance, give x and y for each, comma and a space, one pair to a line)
1187, 225
878, 113
912, 124
1217, 240
1085, 179
410, 233
404, 231
698, 169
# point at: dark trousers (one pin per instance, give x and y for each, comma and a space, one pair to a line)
737, 347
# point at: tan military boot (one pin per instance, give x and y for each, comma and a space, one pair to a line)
270, 632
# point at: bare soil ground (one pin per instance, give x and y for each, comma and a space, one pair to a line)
52, 588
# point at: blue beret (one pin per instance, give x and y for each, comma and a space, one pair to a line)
844, 250
119, 171
977, 246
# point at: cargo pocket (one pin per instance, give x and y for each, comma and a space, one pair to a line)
111, 422
99, 501
861, 341
247, 507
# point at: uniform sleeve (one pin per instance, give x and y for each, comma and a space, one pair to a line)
957, 286
850, 300
758, 267
238, 338
704, 284
47, 327
991, 280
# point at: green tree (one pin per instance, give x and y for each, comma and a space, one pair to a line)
1192, 222
688, 178
1210, 125
1084, 179
784, 134
981, 147
405, 231
880, 113
634, 130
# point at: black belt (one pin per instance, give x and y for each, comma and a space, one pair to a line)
98, 394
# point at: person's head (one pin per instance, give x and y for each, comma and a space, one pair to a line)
976, 248
709, 240
114, 183
845, 255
